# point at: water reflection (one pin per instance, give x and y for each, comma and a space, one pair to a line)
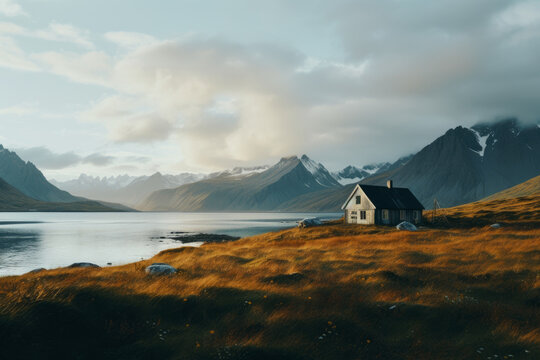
18, 250
51, 240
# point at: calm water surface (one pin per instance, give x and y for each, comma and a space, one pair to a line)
51, 240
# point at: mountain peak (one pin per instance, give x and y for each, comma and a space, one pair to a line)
288, 158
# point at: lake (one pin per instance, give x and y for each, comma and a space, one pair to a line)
50, 240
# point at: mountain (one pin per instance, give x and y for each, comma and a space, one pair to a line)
240, 171
529, 187
90, 186
255, 191
352, 174
468, 164
12, 199
125, 189
25, 177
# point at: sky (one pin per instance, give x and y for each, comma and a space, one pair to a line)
114, 87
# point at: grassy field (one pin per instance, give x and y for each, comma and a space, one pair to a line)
459, 290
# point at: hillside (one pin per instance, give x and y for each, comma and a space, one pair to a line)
12, 199
530, 187
29, 180
330, 292
254, 191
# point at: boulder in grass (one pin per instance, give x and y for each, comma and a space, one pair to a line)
83, 265
495, 226
309, 222
160, 269
407, 226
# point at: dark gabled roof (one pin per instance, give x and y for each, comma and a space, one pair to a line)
395, 198
383, 197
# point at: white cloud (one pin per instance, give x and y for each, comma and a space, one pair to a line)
44, 158
93, 67
409, 71
11, 8
65, 33
12, 56
18, 110
130, 40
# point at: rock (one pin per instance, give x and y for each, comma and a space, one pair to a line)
407, 226
160, 269
35, 271
309, 222
83, 265
200, 237
495, 226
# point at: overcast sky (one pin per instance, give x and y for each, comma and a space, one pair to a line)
110, 87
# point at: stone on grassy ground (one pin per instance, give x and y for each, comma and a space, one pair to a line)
83, 265
407, 226
309, 222
495, 226
160, 269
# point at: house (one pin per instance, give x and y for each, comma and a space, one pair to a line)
382, 205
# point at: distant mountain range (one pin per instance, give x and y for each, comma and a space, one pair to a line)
352, 174
125, 189
461, 166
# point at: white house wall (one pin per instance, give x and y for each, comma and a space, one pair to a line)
352, 209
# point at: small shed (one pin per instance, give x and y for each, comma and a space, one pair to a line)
382, 205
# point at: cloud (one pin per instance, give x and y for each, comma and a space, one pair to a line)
12, 56
64, 33
404, 73
90, 68
18, 110
130, 40
11, 8
44, 158
97, 159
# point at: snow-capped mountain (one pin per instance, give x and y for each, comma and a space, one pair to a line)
352, 174
240, 171
260, 190
468, 164
319, 172
88, 183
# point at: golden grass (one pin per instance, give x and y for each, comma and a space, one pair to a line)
437, 293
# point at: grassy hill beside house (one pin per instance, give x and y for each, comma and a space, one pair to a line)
328, 292
12, 199
530, 187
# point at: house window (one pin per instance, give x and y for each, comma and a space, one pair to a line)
385, 214
415, 214
353, 215
362, 215
358, 200
402, 214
